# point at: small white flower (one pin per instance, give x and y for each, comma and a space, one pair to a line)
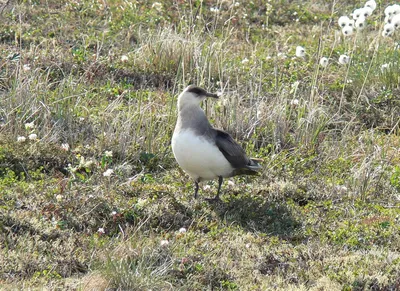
182, 230
214, 9
113, 213
300, 51
323, 62
248, 245
101, 230
349, 81
33, 136
29, 125
65, 147
237, 4
344, 59
245, 61
231, 183
108, 154
206, 187
294, 102
26, 68
347, 30
384, 67
371, 4
388, 30
21, 138
59, 197
108, 173
164, 243
157, 6
124, 58
281, 55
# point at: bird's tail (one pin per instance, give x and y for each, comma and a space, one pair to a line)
254, 164
251, 169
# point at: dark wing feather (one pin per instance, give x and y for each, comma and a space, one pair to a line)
232, 151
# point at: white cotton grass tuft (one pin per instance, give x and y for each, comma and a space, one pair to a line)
345, 21
164, 243
371, 4
344, 59
124, 58
323, 62
214, 9
108, 172
396, 21
26, 68
33, 136
360, 23
389, 11
387, 20
357, 13
388, 30
21, 138
29, 125
385, 67
65, 147
396, 9
294, 102
300, 52
366, 11
347, 30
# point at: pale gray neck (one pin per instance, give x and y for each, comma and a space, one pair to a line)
193, 117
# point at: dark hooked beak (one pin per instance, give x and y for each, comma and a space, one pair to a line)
212, 95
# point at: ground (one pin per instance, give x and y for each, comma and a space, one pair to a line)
91, 197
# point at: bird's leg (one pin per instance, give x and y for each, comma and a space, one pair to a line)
216, 198
196, 188
219, 187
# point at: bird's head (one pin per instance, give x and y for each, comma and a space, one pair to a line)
193, 95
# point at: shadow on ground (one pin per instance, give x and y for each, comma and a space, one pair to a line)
258, 215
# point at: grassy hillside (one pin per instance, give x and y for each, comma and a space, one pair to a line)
91, 197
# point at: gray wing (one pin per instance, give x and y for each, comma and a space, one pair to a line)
232, 151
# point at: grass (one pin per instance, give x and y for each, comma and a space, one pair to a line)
322, 215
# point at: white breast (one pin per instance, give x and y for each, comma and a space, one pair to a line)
198, 157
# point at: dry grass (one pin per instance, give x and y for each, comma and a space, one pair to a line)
323, 215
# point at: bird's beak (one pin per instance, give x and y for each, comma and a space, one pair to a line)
212, 95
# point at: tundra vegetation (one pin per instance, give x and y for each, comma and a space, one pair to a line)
92, 198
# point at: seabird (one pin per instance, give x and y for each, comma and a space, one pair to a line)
203, 152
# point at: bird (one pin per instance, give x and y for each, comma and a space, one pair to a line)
203, 152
